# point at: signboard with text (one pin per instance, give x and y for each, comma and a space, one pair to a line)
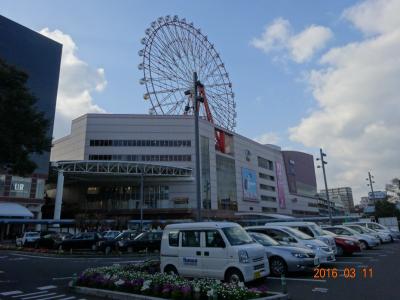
280, 184
249, 182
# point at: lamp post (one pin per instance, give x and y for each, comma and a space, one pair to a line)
196, 144
323, 163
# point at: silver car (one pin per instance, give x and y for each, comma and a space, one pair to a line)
380, 228
366, 241
283, 259
383, 237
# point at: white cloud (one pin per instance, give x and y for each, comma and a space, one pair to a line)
357, 89
76, 84
268, 138
301, 47
375, 16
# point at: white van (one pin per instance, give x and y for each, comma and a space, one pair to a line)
220, 250
312, 230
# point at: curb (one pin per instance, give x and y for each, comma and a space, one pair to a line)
67, 255
107, 294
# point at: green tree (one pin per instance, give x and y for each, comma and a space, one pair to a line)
23, 130
386, 209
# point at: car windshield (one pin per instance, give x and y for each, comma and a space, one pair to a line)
326, 232
32, 234
358, 229
317, 230
237, 236
298, 234
264, 239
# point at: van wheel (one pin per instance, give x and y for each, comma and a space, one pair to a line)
278, 266
171, 270
234, 276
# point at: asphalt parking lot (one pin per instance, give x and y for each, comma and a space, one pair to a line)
383, 262
25, 276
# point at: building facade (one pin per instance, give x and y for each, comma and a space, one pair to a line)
237, 173
342, 197
40, 58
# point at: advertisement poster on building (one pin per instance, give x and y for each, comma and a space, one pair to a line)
280, 185
249, 182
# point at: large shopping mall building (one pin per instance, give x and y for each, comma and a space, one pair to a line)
100, 165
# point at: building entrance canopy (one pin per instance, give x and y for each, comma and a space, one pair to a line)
120, 168
14, 210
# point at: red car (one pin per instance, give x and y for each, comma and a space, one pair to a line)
345, 245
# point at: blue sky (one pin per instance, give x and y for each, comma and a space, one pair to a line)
273, 92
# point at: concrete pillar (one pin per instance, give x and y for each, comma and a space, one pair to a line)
39, 217
59, 195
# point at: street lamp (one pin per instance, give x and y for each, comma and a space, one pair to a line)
323, 163
196, 99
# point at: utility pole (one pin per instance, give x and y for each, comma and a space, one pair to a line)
323, 163
141, 199
196, 144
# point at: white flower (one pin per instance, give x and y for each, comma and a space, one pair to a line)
197, 289
119, 282
210, 293
146, 285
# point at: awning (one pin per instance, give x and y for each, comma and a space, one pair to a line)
14, 210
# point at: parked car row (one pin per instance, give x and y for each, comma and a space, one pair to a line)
226, 251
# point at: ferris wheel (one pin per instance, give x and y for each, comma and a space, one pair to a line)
173, 50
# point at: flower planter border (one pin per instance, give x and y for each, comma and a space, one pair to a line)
108, 294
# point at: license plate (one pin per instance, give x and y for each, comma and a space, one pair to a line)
257, 274
316, 261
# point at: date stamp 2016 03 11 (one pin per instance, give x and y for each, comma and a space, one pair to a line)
347, 273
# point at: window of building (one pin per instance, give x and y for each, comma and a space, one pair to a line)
268, 198
268, 209
267, 187
266, 176
265, 163
190, 238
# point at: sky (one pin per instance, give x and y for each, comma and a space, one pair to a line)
306, 74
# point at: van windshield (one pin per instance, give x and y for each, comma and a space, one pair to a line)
237, 236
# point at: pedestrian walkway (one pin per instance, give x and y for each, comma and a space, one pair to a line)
47, 292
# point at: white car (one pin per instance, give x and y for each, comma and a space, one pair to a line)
382, 237
27, 238
313, 230
220, 250
380, 228
291, 236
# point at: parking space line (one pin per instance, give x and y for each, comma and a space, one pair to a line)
300, 279
358, 257
68, 298
320, 290
30, 294
37, 296
47, 287
10, 293
55, 297
347, 262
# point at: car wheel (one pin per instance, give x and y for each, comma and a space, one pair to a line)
339, 251
278, 266
363, 245
171, 270
107, 250
234, 276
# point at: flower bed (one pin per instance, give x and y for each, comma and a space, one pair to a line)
145, 279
